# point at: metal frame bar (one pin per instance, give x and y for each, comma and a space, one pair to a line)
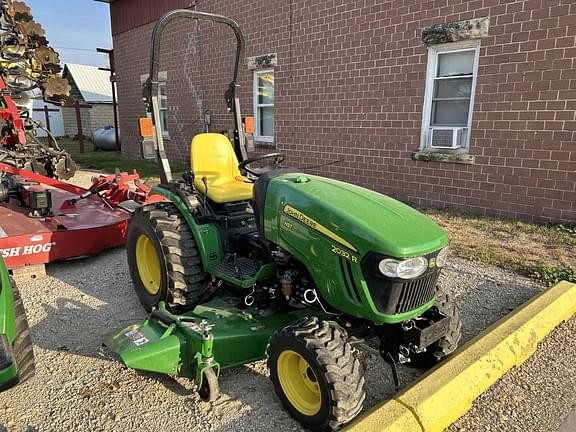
151, 85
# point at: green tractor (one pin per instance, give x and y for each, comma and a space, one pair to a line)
250, 260
16, 351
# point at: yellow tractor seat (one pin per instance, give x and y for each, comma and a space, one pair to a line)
213, 157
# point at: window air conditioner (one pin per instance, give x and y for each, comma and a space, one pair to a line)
447, 138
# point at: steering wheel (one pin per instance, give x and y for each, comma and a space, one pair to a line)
275, 160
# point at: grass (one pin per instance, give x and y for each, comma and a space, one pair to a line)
546, 253
551, 275
108, 161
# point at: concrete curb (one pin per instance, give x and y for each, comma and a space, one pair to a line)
446, 393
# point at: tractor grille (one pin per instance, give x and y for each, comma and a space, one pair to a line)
349, 282
415, 293
397, 296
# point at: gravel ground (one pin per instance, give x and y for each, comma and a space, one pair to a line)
79, 386
537, 396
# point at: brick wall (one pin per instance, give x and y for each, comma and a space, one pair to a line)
96, 117
101, 115
71, 122
69, 115
350, 86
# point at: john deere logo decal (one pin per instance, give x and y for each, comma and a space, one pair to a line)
301, 217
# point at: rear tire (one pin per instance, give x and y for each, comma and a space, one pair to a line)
163, 258
445, 346
23, 348
316, 374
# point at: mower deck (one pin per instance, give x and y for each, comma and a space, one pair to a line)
85, 227
168, 343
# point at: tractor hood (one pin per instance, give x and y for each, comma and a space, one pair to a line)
357, 218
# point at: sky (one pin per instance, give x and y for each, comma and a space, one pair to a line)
75, 28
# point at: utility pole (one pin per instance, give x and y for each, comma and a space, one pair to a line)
112, 70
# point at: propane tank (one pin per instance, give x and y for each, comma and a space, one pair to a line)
105, 138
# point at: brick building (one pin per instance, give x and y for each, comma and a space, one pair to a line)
90, 86
460, 104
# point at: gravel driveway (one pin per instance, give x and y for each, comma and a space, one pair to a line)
79, 387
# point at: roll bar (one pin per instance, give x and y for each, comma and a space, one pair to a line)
150, 92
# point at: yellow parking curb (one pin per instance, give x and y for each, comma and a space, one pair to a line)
445, 393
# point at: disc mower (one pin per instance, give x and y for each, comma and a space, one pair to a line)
16, 352
250, 260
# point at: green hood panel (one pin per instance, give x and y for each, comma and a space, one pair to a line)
330, 226
367, 220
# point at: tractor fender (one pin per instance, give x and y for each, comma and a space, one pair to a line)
206, 235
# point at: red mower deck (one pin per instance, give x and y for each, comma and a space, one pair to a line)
70, 229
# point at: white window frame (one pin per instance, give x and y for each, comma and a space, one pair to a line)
257, 135
164, 124
433, 52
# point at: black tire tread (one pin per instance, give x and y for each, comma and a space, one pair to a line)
327, 341
210, 388
185, 277
23, 348
448, 343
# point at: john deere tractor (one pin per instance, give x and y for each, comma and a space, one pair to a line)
250, 260
16, 352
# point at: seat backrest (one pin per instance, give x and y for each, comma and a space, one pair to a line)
213, 157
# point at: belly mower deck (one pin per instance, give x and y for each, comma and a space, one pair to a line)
43, 220
218, 334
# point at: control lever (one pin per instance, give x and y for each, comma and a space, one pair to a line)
205, 194
70, 203
188, 177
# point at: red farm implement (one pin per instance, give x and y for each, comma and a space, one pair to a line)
44, 219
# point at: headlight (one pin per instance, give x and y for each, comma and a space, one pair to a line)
407, 269
442, 257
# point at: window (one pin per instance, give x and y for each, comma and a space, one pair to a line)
163, 106
450, 85
264, 105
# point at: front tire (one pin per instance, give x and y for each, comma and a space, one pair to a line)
316, 374
23, 348
163, 258
445, 346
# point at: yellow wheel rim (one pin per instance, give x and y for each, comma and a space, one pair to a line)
299, 383
148, 264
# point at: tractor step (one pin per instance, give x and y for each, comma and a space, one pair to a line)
239, 267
